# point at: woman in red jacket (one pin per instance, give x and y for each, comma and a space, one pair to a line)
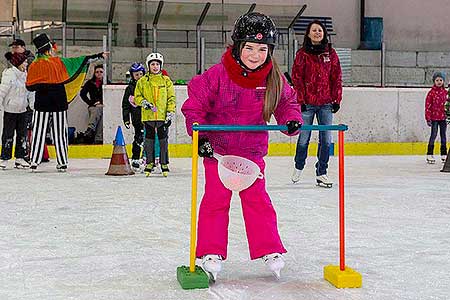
317, 78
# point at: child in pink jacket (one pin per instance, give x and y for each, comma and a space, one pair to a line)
435, 116
245, 88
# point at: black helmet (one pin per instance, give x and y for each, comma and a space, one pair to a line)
255, 27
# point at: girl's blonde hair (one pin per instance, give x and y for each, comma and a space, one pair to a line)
274, 87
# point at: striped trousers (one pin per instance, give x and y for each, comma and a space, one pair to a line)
59, 131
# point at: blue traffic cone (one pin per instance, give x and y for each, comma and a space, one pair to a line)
120, 164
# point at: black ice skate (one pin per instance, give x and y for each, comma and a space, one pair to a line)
149, 169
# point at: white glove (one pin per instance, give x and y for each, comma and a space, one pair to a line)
169, 116
147, 105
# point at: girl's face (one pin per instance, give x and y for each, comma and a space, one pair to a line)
254, 55
137, 75
154, 66
315, 34
99, 73
439, 82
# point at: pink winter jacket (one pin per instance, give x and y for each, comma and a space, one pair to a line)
434, 104
213, 98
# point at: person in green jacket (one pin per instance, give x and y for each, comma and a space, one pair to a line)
156, 95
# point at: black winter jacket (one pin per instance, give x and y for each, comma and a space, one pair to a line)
95, 93
128, 109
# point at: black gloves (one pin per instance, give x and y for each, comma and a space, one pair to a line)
335, 108
303, 107
293, 126
204, 148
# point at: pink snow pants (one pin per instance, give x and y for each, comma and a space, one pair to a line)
259, 216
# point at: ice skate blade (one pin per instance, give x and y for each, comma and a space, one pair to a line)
21, 167
324, 185
431, 162
212, 276
277, 274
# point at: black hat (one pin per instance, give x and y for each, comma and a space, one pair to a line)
41, 41
255, 27
17, 42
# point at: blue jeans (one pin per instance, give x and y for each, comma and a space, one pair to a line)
442, 125
324, 117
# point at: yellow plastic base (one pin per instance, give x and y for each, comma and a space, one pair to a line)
348, 278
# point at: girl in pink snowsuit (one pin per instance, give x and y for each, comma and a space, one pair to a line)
245, 88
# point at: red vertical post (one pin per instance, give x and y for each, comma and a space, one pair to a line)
341, 201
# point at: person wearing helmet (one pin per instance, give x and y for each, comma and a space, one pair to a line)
245, 88
131, 111
156, 95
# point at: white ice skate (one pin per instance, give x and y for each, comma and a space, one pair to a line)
21, 163
296, 175
3, 164
212, 264
443, 158
430, 159
323, 181
61, 168
274, 262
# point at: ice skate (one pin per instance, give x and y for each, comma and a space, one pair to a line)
61, 168
149, 169
430, 159
165, 170
296, 175
212, 264
136, 165
21, 163
323, 181
33, 167
274, 263
443, 158
3, 164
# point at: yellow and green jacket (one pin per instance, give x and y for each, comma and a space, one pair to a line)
159, 91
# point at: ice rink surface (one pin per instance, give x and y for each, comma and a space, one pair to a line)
84, 235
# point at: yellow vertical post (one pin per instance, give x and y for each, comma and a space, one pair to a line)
194, 199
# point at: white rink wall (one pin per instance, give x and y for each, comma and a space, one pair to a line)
372, 114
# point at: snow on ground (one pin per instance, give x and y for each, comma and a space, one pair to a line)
84, 235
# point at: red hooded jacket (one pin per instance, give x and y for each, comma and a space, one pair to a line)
434, 104
317, 78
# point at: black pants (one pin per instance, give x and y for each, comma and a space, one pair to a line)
14, 122
59, 132
442, 126
163, 132
138, 139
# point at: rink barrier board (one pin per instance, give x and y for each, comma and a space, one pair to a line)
275, 149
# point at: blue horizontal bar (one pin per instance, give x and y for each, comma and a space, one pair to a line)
340, 127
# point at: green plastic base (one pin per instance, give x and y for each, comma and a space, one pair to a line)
196, 280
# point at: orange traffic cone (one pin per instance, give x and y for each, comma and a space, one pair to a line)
119, 164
